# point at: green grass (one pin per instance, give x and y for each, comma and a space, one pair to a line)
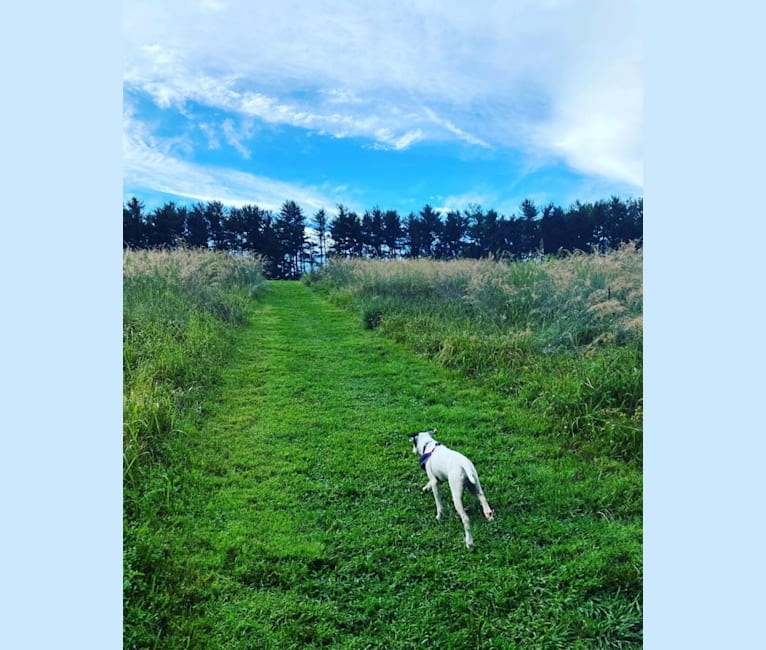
563, 337
180, 309
292, 516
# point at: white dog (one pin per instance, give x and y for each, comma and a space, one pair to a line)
444, 464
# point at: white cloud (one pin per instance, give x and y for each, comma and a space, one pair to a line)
149, 162
558, 79
460, 202
600, 131
211, 133
387, 140
235, 136
449, 126
341, 96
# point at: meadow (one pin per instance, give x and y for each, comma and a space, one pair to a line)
271, 496
180, 309
561, 336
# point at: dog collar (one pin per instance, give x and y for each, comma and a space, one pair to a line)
424, 458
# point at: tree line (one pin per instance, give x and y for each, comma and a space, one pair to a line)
292, 245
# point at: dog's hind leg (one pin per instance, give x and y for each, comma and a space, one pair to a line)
488, 514
433, 485
456, 487
476, 490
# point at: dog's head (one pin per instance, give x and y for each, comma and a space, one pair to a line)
419, 440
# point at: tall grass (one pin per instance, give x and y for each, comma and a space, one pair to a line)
563, 334
177, 306
179, 309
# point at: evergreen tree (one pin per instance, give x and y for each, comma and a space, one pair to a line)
165, 226
600, 226
510, 238
634, 230
579, 219
133, 224
215, 215
432, 230
234, 228
553, 229
393, 233
486, 234
196, 230
372, 232
268, 245
346, 231
530, 229
255, 223
290, 229
415, 236
320, 223
454, 233
282, 241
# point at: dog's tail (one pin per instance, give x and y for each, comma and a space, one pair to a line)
473, 478
471, 474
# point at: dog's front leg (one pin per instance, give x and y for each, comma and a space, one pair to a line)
433, 485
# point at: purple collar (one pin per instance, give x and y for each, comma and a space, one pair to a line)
424, 458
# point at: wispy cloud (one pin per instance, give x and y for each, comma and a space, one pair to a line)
211, 133
235, 137
449, 126
150, 162
460, 202
558, 80
387, 140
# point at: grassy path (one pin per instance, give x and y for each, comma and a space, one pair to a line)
302, 523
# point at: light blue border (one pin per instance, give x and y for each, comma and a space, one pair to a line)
703, 324
60, 268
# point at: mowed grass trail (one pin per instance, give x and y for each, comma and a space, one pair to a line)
300, 522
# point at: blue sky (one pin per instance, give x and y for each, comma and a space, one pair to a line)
392, 105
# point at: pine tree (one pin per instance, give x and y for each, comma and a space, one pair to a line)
133, 224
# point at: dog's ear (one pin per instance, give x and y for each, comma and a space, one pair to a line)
413, 437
